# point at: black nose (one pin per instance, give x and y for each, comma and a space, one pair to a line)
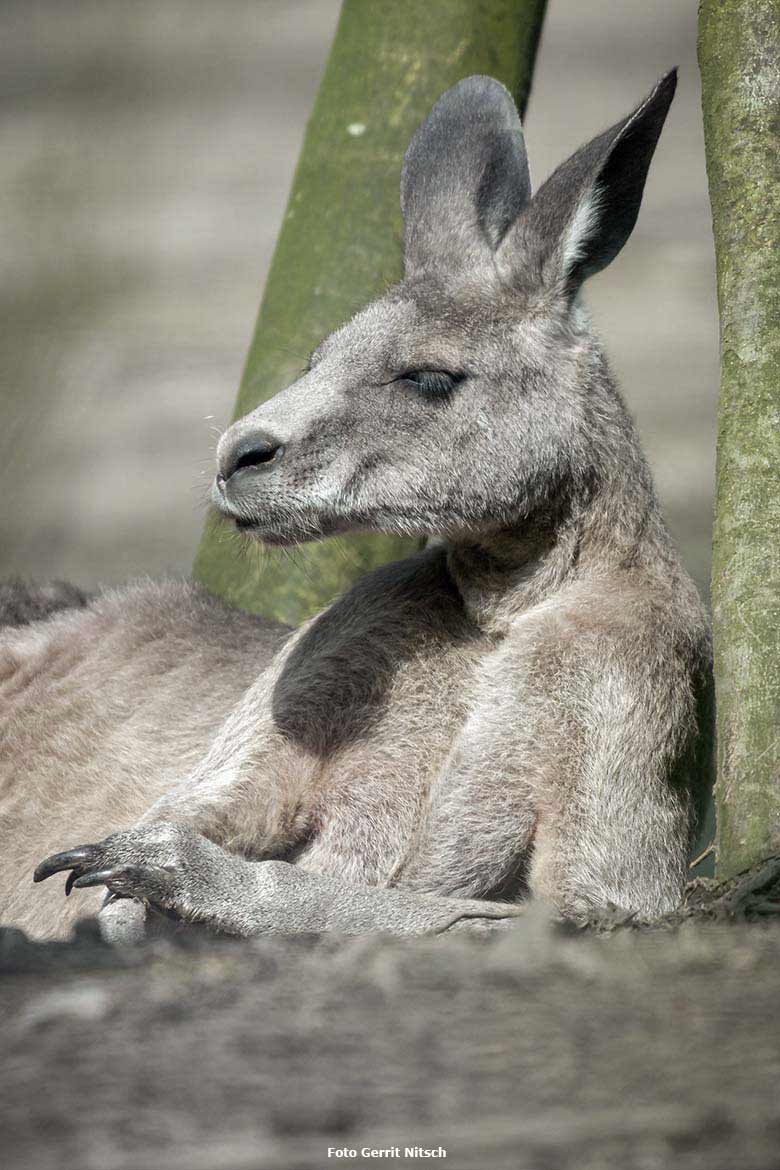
252, 451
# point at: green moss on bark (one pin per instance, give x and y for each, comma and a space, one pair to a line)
340, 241
739, 56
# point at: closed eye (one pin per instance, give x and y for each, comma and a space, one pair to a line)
432, 383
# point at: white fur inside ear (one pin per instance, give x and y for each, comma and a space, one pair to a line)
582, 228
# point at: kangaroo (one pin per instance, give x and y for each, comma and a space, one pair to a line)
513, 710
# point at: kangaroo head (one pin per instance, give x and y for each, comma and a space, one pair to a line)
461, 399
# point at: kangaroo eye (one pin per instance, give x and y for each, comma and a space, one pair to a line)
432, 383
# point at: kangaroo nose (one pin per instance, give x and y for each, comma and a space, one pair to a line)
251, 452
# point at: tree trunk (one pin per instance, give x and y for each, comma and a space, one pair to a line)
739, 56
340, 241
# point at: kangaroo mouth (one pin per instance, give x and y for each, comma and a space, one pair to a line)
273, 522
282, 520
274, 537
284, 533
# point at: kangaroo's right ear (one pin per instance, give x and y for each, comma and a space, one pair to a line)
583, 214
465, 179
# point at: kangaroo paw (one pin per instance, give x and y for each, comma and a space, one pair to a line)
164, 865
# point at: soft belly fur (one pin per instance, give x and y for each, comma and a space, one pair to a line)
103, 709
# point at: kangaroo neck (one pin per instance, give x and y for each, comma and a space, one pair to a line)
613, 527
502, 575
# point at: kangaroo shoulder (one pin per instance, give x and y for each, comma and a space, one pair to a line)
621, 625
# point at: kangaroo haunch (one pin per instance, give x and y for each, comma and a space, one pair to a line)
515, 709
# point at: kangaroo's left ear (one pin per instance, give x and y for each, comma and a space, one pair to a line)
464, 181
583, 214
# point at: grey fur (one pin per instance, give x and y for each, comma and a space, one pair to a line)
21, 603
515, 708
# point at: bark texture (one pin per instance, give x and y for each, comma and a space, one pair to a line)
340, 241
739, 55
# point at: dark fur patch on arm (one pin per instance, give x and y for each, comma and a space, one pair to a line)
21, 603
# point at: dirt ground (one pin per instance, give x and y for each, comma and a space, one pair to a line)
540, 1048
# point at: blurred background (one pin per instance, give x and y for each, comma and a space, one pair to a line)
146, 152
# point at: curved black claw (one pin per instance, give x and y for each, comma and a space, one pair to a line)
97, 877
145, 882
79, 861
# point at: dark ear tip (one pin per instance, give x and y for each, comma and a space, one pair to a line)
656, 105
665, 88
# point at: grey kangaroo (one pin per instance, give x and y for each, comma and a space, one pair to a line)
515, 709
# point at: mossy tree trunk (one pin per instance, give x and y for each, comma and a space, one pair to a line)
340, 241
739, 56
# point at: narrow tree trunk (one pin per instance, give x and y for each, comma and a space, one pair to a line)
739, 56
340, 241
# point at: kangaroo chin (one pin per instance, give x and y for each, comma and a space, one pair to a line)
518, 709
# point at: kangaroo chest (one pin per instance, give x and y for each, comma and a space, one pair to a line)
374, 706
